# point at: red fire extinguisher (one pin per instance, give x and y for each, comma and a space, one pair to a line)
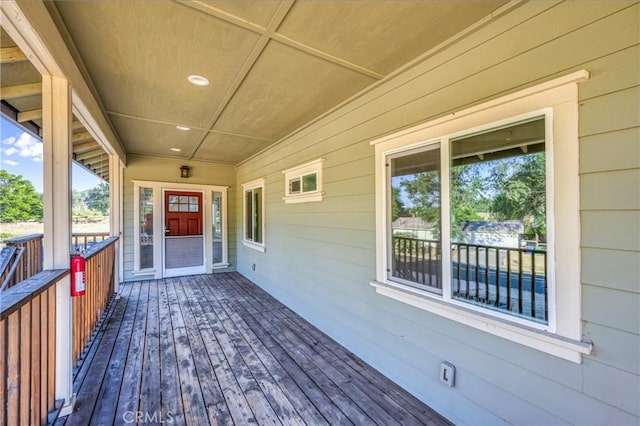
78, 275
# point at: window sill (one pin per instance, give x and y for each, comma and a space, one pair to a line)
143, 272
553, 344
303, 198
255, 246
220, 265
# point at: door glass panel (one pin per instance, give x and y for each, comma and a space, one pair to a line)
146, 228
184, 199
184, 207
216, 222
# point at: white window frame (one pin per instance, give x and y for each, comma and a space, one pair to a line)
299, 172
557, 100
250, 186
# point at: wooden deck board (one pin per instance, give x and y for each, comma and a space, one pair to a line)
216, 349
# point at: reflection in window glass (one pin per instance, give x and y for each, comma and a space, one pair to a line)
257, 218
146, 228
294, 186
499, 219
309, 182
415, 218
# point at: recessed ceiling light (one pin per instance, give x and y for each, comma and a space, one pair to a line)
198, 80
183, 128
175, 149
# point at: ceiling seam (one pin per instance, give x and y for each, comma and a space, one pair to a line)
168, 123
278, 17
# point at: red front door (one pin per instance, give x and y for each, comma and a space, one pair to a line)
183, 213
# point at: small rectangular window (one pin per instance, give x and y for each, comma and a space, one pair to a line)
304, 183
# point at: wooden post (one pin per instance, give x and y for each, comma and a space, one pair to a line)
115, 211
56, 108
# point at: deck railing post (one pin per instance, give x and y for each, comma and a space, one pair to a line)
56, 110
115, 211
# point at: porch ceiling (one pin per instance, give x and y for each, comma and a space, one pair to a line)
272, 66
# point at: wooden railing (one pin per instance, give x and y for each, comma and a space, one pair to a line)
100, 285
27, 352
84, 240
25, 262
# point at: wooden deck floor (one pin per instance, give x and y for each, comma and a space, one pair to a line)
216, 349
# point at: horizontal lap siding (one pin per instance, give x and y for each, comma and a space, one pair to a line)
321, 256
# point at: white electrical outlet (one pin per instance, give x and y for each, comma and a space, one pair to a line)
447, 374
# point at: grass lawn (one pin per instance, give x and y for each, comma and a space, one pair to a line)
19, 229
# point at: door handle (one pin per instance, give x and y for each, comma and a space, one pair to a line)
167, 231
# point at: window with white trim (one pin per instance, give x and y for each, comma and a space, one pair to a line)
303, 183
478, 217
253, 208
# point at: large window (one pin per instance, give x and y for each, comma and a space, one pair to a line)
253, 207
478, 217
497, 215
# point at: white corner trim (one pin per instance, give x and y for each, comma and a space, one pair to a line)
543, 341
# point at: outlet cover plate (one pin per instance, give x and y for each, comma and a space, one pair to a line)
448, 374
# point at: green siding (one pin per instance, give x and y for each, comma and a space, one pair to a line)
320, 256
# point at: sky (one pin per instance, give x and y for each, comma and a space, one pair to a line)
21, 154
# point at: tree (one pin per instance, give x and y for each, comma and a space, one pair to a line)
19, 200
397, 207
423, 190
468, 196
522, 193
97, 198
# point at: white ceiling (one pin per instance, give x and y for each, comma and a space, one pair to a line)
273, 65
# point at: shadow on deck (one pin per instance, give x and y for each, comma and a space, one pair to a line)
217, 349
